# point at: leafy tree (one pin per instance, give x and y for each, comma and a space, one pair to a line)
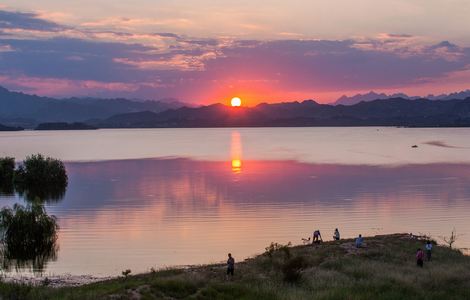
41, 178
30, 236
7, 171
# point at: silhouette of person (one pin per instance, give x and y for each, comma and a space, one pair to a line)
230, 265
359, 241
317, 237
419, 257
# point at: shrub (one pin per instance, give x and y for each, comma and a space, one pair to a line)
273, 247
126, 273
30, 234
40, 177
7, 170
292, 268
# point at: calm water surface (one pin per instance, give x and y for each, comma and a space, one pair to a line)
162, 197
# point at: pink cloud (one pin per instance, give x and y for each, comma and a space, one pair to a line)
64, 87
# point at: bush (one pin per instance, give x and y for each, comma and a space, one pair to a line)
30, 234
7, 171
273, 247
41, 178
292, 268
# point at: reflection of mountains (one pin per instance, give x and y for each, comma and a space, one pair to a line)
199, 185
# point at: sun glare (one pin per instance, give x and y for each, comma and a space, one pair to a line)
236, 102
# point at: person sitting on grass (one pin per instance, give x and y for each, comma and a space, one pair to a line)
317, 237
230, 265
359, 241
419, 257
428, 250
336, 235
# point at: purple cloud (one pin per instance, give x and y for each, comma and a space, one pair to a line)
113, 63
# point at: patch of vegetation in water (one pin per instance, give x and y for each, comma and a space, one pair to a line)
7, 173
37, 178
29, 237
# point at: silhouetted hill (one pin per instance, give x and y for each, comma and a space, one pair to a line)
390, 112
64, 126
29, 110
10, 128
371, 96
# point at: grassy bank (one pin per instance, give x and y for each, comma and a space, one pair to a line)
384, 269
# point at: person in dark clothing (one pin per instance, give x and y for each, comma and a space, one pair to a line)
230, 265
419, 258
317, 237
359, 241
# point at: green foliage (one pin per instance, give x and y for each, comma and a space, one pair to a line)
292, 268
41, 178
30, 236
332, 270
7, 171
273, 247
175, 288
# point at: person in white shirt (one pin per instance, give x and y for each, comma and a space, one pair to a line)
428, 250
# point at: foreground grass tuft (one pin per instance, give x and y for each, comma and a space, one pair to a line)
384, 269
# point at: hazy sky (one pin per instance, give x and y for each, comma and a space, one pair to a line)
207, 51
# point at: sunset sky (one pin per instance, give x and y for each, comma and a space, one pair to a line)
204, 51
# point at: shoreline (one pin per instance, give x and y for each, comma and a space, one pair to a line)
385, 267
69, 280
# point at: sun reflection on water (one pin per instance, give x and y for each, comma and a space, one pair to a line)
236, 152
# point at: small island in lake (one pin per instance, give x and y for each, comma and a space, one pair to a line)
64, 126
10, 128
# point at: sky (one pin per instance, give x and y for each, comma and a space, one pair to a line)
206, 51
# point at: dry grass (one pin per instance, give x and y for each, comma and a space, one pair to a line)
384, 269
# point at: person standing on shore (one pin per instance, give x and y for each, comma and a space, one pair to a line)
419, 258
428, 250
336, 235
359, 241
230, 265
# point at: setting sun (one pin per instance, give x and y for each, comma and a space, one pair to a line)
236, 102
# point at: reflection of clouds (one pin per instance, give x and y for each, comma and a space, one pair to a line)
178, 211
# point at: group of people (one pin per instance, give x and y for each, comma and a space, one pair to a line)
359, 241
420, 254
336, 236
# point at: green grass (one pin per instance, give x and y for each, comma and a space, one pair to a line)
384, 269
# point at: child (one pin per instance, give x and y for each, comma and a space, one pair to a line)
428, 250
336, 235
419, 258
359, 241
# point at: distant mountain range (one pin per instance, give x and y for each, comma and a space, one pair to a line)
18, 109
371, 96
390, 112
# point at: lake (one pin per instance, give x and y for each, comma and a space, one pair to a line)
143, 198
